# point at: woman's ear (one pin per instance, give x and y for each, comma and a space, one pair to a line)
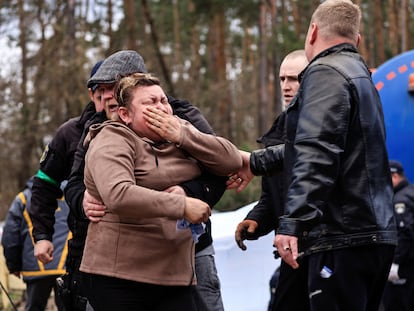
124, 115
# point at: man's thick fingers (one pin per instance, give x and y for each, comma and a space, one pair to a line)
241, 187
45, 259
241, 245
238, 236
291, 262
232, 185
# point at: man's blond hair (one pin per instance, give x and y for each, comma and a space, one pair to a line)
338, 18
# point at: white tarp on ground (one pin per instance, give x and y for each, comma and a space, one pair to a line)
244, 275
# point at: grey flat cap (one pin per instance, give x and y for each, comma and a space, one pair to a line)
120, 63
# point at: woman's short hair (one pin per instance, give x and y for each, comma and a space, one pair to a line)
126, 86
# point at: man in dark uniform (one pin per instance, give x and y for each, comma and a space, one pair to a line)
55, 165
399, 290
264, 217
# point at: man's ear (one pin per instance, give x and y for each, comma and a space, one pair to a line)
90, 92
313, 34
358, 40
124, 115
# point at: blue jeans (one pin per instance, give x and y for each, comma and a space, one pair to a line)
208, 284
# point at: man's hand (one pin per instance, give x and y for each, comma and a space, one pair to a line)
287, 247
196, 211
241, 179
43, 250
243, 231
93, 208
393, 274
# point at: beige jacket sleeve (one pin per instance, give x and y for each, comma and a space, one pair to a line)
216, 154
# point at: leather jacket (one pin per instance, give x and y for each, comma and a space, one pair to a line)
339, 191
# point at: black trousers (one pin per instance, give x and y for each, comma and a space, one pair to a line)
38, 292
399, 297
346, 279
73, 293
108, 294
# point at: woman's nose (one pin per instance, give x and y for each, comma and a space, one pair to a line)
160, 105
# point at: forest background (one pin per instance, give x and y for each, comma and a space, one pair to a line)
223, 56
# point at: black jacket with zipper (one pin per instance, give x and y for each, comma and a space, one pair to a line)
339, 191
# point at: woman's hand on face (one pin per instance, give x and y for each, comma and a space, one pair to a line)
165, 125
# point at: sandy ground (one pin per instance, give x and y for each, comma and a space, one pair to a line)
20, 304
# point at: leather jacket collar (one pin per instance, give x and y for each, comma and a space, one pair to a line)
335, 49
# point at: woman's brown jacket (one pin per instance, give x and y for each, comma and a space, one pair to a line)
137, 239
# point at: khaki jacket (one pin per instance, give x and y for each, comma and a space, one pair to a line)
137, 239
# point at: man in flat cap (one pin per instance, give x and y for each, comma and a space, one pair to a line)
207, 187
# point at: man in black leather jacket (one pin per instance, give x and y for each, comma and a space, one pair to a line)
338, 223
399, 291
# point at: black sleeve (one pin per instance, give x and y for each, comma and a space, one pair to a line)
75, 188
208, 188
57, 159
270, 205
53, 169
267, 161
42, 213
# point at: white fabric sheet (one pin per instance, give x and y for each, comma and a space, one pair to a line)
244, 275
